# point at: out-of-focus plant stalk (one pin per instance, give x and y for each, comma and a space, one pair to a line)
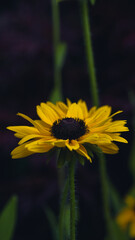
95, 100
72, 198
56, 43
62, 210
89, 52
132, 151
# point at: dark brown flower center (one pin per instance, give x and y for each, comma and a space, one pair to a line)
69, 128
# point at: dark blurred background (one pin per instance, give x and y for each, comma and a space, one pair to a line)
26, 79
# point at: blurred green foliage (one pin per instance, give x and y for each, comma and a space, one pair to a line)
8, 219
61, 54
92, 2
52, 222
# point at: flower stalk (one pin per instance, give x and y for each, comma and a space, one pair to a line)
95, 100
72, 198
62, 208
105, 197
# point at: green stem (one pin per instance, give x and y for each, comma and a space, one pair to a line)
72, 198
105, 195
95, 100
56, 42
89, 52
62, 208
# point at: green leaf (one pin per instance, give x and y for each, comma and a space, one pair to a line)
67, 221
92, 2
96, 149
61, 158
79, 157
61, 54
53, 222
8, 218
117, 233
91, 148
116, 201
64, 156
132, 192
52, 153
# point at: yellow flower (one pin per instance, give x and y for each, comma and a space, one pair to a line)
69, 125
126, 217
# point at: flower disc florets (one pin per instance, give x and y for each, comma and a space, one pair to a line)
69, 128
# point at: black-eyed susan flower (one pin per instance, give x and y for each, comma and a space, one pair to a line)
69, 126
126, 218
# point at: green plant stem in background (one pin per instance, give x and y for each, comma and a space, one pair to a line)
95, 100
105, 196
132, 151
57, 91
72, 198
62, 210
89, 52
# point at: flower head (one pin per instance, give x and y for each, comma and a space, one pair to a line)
69, 125
126, 217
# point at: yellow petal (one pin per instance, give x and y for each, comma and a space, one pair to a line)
49, 112
84, 108
23, 130
117, 126
43, 127
96, 129
44, 117
124, 217
109, 148
119, 139
92, 111
56, 109
34, 122
102, 113
90, 138
68, 102
100, 138
62, 106
30, 137
116, 113
47, 139
20, 152
132, 229
82, 151
130, 201
59, 143
72, 145
28, 119
74, 111
19, 135
104, 138
38, 147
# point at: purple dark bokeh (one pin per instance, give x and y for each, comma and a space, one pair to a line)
26, 77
